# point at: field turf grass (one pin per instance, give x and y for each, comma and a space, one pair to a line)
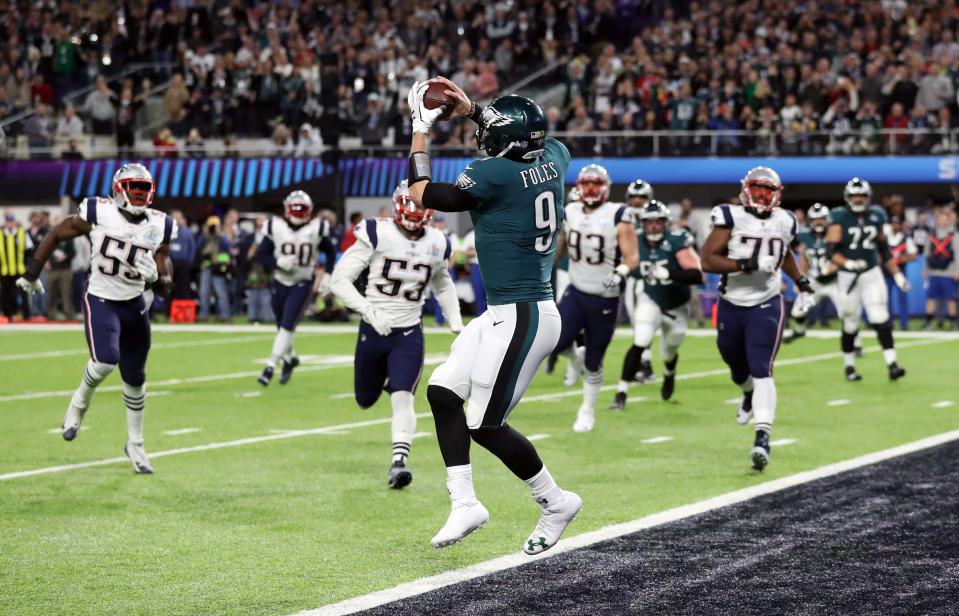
296, 521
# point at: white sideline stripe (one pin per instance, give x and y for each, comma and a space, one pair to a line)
342, 396
942, 404
840, 402
656, 439
250, 394
158, 345
537, 437
371, 422
783, 441
418, 587
732, 401
637, 399
180, 431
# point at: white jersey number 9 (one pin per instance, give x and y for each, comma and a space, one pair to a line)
545, 206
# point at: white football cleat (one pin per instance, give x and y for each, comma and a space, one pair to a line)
585, 419
552, 522
72, 420
463, 520
575, 366
138, 456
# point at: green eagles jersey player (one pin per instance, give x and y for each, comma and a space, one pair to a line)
668, 265
855, 242
514, 197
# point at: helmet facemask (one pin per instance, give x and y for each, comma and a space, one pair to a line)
298, 208
407, 215
135, 194
654, 229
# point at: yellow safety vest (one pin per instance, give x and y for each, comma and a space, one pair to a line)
12, 249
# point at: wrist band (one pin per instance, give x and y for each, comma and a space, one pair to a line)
419, 168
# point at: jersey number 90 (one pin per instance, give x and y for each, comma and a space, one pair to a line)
304, 255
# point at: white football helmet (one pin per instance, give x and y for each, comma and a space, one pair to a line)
762, 190
405, 212
854, 188
818, 217
133, 188
593, 184
640, 189
298, 207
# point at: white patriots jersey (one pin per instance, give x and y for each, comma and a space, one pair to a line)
116, 243
593, 244
400, 268
301, 242
752, 235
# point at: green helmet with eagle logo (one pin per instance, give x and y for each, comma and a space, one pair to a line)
512, 127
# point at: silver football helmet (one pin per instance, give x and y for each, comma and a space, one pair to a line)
593, 184
641, 189
818, 217
133, 188
298, 207
857, 187
762, 190
655, 218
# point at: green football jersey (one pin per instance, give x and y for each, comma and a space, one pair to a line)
519, 212
816, 255
860, 232
666, 293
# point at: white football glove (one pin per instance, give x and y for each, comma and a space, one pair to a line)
855, 265
29, 287
324, 287
147, 267
768, 264
804, 303
456, 326
900, 279
286, 262
379, 320
423, 118
659, 272
616, 277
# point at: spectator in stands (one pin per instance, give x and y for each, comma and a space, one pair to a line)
371, 126
194, 144
40, 90
258, 304
39, 132
942, 269
175, 97
164, 145
72, 151
69, 125
309, 144
897, 120
126, 111
99, 105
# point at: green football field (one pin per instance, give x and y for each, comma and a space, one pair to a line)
271, 501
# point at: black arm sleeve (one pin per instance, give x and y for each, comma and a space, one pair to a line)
884, 252
447, 198
831, 249
327, 248
686, 276
264, 254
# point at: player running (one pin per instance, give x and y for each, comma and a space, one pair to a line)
855, 241
815, 265
404, 256
291, 247
638, 194
515, 200
668, 265
600, 239
749, 246
130, 254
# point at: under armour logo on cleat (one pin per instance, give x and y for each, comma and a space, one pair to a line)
541, 543
495, 323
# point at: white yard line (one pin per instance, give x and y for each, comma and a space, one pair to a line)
537, 437
327, 429
656, 439
159, 345
942, 404
418, 587
783, 442
840, 402
180, 431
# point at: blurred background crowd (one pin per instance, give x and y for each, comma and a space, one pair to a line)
837, 77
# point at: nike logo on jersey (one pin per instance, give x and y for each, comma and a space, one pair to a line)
607, 311
495, 323
408, 332
765, 305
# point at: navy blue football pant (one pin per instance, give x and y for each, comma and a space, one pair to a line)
748, 337
393, 362
290, 302
118, 332
590, 313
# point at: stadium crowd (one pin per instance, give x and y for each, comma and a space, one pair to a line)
806, 78
214, 265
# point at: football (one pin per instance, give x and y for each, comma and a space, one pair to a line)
436, 96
